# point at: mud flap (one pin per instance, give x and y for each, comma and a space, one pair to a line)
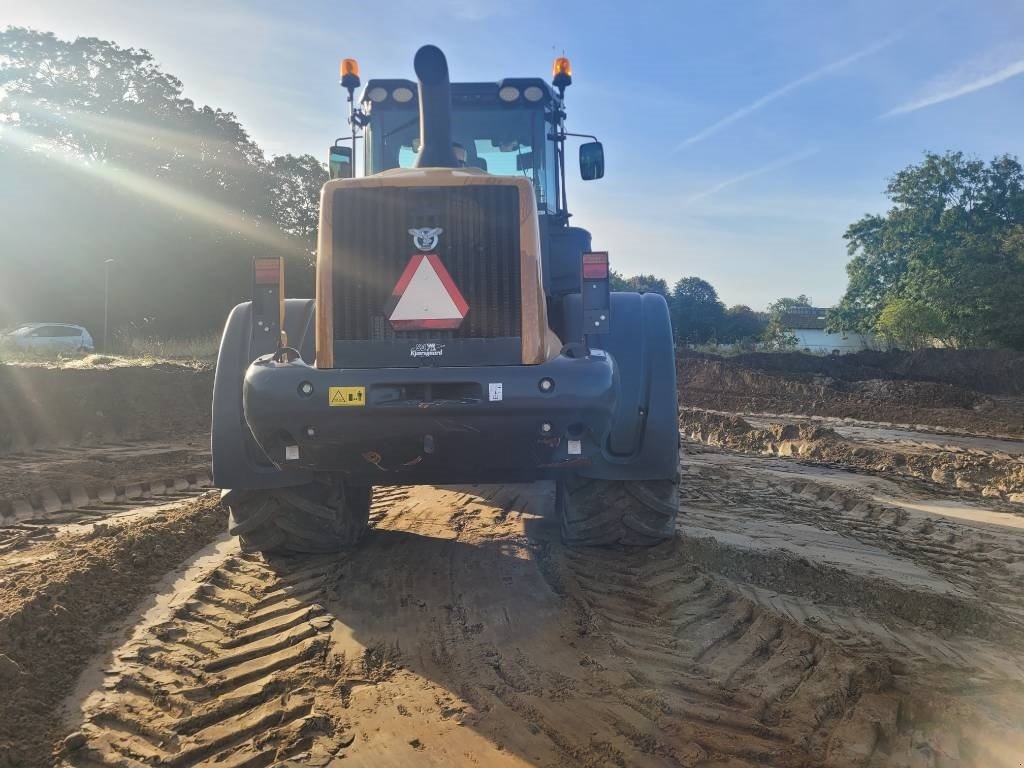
238, 461
644, 439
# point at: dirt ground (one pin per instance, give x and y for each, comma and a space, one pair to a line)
860, 387
843, 590
46, 407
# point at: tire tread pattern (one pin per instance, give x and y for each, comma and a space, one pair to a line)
323, 516
597, 513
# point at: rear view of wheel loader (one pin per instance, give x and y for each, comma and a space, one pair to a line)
462, 332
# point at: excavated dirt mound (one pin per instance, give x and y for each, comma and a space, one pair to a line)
992, 371
58, 599
42, 407
805, 384
991, 476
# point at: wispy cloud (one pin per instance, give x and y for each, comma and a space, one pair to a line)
972, 76
788, 88
775, 165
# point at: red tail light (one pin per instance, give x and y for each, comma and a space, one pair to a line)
595, 265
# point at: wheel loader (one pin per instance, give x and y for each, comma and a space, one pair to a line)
463, 331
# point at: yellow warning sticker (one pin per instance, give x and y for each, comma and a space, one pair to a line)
346, 396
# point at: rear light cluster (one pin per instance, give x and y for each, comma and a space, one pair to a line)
595, 265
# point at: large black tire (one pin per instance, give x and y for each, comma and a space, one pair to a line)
601, 513
322, 516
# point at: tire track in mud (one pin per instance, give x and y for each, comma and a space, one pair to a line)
219, 680
985, 561
232, 677
461, 632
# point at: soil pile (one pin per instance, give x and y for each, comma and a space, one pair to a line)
991, 476
44, 406
991, 371
804, 384
57, 601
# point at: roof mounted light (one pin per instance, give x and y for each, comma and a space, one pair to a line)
377, 94
402, 94
533, 93
508, 93
561, 73
349, 73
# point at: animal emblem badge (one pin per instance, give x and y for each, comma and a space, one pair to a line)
425, 238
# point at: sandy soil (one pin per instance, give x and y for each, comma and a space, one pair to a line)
814, 385
46, 407
58, 598
986, 468
801, 618
88, 468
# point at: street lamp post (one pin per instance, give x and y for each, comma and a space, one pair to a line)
106, 299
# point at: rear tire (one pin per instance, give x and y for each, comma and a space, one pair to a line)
601, 513
319, 517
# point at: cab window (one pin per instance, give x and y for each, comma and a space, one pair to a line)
501, 141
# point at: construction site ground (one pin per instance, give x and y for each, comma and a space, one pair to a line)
844, 590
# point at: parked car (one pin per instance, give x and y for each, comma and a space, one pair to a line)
48, 339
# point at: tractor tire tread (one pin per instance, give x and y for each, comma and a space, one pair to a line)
597, 513
316, 518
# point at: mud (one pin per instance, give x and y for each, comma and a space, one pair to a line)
461, 632
55, 485
810, 385
991, 371
46, 407
998, 476
58, 599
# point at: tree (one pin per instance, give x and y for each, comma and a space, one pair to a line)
952, 242
617, 282
179, 195
697, 312
909, 324
780, 307
647, 284
740, 324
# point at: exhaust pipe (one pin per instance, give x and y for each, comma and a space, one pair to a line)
435, 109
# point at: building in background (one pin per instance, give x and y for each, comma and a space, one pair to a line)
807, 324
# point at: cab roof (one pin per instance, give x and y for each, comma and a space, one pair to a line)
463, 94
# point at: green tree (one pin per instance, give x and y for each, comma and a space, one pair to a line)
114, 162
647, 284
909, 324
741, 323
952, 242
697, 312
781, 306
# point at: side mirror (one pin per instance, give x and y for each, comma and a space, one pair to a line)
340, 163
591, 160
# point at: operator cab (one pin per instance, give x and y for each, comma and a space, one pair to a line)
501, 128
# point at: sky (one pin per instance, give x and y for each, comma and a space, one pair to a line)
742, 137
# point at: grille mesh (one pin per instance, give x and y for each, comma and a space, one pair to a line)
479, 246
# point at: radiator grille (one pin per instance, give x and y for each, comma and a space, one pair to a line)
479, 246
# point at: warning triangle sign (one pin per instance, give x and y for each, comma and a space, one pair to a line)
426, 296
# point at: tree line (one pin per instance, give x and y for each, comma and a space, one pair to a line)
103, 158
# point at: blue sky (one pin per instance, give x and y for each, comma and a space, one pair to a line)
741, 137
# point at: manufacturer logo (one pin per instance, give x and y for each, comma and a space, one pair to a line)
425, 238
429, 349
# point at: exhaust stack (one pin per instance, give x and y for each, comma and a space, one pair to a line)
435, 109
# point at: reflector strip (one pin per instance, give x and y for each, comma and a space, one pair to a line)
426, 296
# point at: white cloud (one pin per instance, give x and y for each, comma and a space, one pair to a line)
775, 165
778, 93
975, 75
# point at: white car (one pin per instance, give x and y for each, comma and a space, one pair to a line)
48, 339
